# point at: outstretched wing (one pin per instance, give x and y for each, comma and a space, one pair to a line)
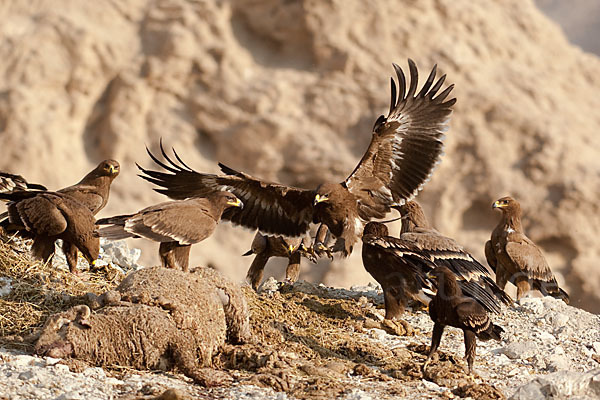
270, 207
406, 145
10, 183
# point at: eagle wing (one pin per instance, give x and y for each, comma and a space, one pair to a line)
405, 147
87, 195
529, 259
271, 208
11, 182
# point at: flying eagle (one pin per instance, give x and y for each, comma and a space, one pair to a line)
474, 278
515, 258
265, 247
10, 183
450, 307
46, 216
406, 146
176, 225
93, 190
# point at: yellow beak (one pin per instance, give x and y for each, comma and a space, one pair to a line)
319, 199
497, 205
112, 169
236, 203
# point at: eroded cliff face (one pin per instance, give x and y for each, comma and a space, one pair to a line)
289, 91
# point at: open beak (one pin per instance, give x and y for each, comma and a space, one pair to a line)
319, 199
236, 203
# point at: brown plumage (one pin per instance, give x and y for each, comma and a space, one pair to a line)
404, 150
10, 183
176, 225
265, 247
401, 273
46, 216
515, 258
93, 190
450, 307
474, 278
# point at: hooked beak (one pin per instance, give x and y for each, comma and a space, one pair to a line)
497, 204
319, 199
430, 275
112, 169
236, 203
291, 249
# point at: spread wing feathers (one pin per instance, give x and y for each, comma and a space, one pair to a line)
11, 182
270, 207
185, 222
405, 147
473, 278
529, 259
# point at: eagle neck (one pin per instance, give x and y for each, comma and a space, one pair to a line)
512, 221
449, 287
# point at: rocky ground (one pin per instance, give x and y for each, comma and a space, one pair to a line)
321, 342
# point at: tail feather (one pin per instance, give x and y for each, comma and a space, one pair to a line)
493, 332
114, 232
116, 220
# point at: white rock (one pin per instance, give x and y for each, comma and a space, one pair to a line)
5, 286
519, 350
596, 347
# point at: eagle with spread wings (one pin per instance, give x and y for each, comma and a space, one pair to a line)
405, 148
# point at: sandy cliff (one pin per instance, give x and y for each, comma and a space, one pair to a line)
289, 91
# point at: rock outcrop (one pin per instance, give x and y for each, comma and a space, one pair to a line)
289, 91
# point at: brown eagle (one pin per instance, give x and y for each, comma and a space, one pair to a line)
515, 258
405, 147
400, 266
93, 190
474, 278
10, 183
450, 307
176, 225
46, 216
265, 247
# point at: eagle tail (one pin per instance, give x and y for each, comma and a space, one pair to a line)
114, 232
561, 294
116, 220
493, 332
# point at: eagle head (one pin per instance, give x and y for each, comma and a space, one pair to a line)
507, 205
376, 228
109, 168
327, 192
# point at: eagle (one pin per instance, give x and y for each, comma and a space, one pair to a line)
176, 225
515, 258
47, 216
450, 307
93, 190
10, 183
400, 266
474, 278
406, 146
265, 247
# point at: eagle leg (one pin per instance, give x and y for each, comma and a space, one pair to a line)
523, 286
256, 270
293, 269
470, 348
71, 255
436, 338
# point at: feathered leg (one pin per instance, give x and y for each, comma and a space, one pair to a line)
470, 349
293, 269
523, 287
71, 255
436, 338
256, 270
174, 255
42, 248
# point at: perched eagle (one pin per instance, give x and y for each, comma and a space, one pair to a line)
515, 258
46, 216
450, 307
176, 225
475, 279
404, 150
93, 190
11, 183
400, 266
265, 247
